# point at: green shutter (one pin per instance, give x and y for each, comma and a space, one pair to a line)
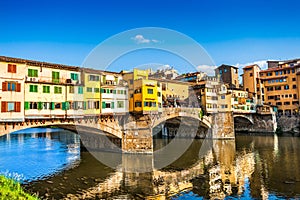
114, 91
40, 105
26, 105
112, 105
64, 105
52, 106
103, 104
68, 105
84, 105
102, 90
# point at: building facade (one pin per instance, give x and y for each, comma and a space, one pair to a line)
228, 75
12, 78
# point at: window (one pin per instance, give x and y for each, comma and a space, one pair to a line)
287, 103
286, 87
120, 104
220, 71
131, 82
55, 77
33, 105
80, 90
277, 87
294, 86
294, 79
11, 86
12, 68
32, 73
96, 90
158, 94
94, 78
223, 97
10, 106
150, 91
71, 89
57, 105
89, 89
74, 76
251, 74
293, 70
278, 103
295, 96
46, 89
33, 88
225, 70
57, 90
138, 104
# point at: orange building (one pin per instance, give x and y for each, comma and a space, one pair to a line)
276, 86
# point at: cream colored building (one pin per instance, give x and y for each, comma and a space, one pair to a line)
12, 89
52, 91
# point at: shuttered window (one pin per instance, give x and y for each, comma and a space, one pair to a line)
12, 68
74, 76
46, 89
57, 90
55, 77
33, 88
10, 106
32, 73
11, 86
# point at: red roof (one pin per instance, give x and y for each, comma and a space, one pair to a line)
250, 66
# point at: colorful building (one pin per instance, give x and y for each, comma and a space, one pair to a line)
113, 94
276, 86
91, 92
50, 91
144, 96
12, 76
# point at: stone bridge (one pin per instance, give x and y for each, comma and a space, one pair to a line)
255, 122
133, 130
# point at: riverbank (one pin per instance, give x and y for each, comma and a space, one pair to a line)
288, 125
10, 189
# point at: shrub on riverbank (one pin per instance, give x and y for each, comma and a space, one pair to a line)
10, 189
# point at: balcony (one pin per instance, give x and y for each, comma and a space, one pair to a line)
50, 80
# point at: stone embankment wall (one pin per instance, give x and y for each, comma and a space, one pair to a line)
288, 124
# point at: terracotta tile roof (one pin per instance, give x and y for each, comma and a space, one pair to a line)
250, 66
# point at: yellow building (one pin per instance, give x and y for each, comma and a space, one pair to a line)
144, 94
91, 92
174, 93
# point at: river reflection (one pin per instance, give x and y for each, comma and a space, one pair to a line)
34, 154
260, 167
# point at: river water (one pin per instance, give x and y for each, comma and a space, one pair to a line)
49, 162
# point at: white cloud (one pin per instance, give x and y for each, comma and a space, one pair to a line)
210, 70
261, 63
140, 39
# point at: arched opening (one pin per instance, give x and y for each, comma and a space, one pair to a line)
242, 123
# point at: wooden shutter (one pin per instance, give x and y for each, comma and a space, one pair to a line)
112, 105
40, 105
103, 104
3, 106
14, 68
9, 68
26, 105
17, 106
4, 86
18, 88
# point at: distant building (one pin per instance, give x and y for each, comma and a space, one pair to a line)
194, 77
228, 75
251, 82
166, 73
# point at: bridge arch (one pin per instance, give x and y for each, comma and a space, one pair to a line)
244, 117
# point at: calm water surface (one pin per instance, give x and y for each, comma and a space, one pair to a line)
251, 167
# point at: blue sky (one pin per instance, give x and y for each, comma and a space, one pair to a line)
231, 32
